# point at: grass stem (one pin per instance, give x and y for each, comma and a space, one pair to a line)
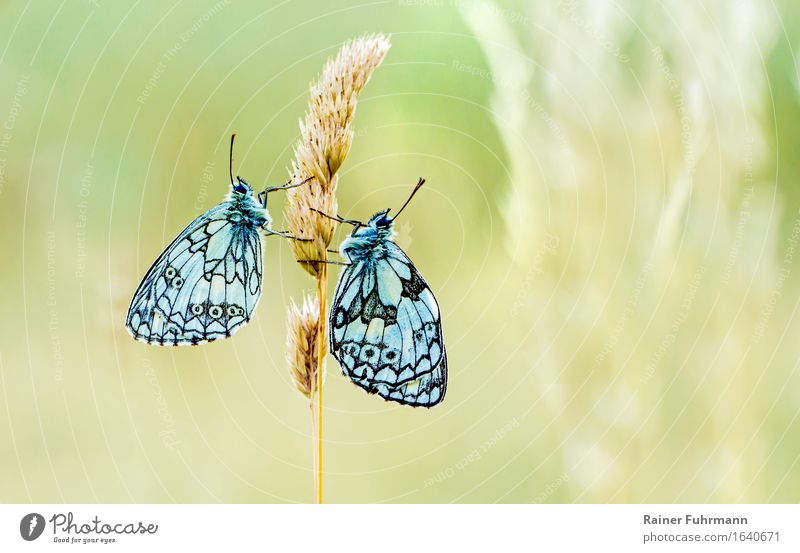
322, 292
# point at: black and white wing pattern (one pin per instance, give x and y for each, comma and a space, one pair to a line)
204, 286
386, 330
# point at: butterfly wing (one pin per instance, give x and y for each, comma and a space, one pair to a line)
386, 330
204, 285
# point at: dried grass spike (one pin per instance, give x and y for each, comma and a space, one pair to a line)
302, 344
326, 135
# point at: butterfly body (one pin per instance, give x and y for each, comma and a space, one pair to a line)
385, 326
207, 282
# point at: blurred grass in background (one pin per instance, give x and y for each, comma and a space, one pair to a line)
611, 229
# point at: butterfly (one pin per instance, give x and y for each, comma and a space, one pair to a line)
207, 282
385, 325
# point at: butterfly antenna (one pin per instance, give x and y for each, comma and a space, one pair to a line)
230, 159
417, 187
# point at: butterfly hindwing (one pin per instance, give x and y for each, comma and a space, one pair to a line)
386, 330
204, 285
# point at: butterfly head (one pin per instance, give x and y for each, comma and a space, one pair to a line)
379, 227
240, 186
373, 235
365, 237
381, 223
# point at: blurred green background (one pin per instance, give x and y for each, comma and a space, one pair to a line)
611, 228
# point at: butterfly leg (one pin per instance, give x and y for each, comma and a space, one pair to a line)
286, 186
285, 234
339, 219
262, 196
327, 262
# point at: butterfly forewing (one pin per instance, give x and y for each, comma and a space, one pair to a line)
386, 330
204, 285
